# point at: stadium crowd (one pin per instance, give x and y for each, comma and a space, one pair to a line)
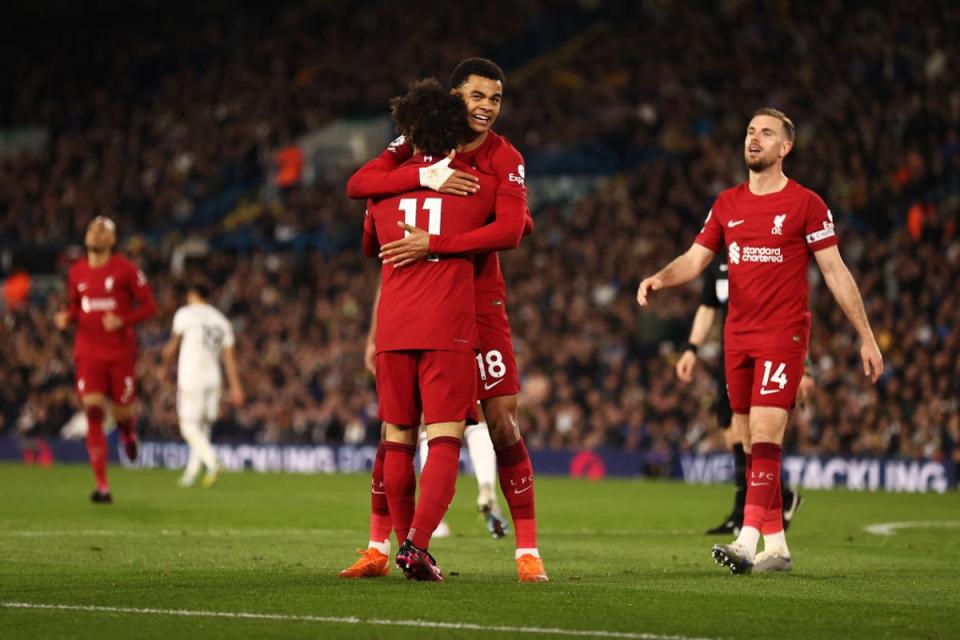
177, 122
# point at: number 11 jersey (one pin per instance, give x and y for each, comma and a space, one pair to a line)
429, 305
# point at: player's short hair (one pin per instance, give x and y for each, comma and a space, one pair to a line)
105, 221
199, 286
434, 119
476, 67
788, 127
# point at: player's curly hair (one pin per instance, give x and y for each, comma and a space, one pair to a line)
434, 119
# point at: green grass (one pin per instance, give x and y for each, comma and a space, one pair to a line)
624, 556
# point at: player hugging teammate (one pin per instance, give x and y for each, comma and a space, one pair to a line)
486, 177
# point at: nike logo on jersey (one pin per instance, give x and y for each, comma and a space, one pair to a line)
734, 223
526, 488
487, 387
760, 484
378, 493
766, 392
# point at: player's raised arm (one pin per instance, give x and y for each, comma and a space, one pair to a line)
845, 291
681, 270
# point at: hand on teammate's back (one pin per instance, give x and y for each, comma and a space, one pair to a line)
460, 183
400, 253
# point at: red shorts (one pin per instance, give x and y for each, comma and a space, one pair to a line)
765, 377
113, 378
496, 363
440, 385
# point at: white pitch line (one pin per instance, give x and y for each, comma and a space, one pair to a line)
421, 624
50, 533
890, 528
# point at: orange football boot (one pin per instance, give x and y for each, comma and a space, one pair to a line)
372, 564
530, 569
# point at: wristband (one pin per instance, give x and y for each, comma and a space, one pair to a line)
436, 174
689, 346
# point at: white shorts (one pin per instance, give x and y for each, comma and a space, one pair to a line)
198, 405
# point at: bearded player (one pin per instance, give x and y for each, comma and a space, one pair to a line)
479, 82
108, 295
770, 226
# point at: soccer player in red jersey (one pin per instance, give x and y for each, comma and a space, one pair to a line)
770, 226
480, 84
426, 336
108, 295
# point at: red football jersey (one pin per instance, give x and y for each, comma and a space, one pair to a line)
431, 304
769, 242
495, 156
114, 287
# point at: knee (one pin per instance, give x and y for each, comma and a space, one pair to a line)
502, 423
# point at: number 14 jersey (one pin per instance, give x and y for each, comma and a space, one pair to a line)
429, 305
769, 240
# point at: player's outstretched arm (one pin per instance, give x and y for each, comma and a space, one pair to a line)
845, 291
702, 321
683, 269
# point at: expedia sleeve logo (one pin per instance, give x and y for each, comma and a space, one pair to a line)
519, 176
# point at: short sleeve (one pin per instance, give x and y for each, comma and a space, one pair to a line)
818, 227
229, 338
179, 322
711, 235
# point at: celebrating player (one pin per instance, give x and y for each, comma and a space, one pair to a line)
108, 295
769, 226
426, 336
203, 335
713, 303
480, 83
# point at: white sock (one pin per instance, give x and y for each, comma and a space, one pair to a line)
199, 443
482, 455
383, 546
526, 552
424, 448
776, 542
748, 539
192, 468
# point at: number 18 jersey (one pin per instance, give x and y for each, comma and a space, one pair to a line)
429, 305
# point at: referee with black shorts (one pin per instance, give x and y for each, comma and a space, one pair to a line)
713, 303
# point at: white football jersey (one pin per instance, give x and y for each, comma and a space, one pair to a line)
204, 332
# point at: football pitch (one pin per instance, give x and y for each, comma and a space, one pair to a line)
257, 556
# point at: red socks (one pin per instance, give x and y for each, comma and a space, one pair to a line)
400, 483
438, 483
97, 447
380, 523
763, 486
516, 482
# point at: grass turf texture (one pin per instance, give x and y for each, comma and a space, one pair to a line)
623, 556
